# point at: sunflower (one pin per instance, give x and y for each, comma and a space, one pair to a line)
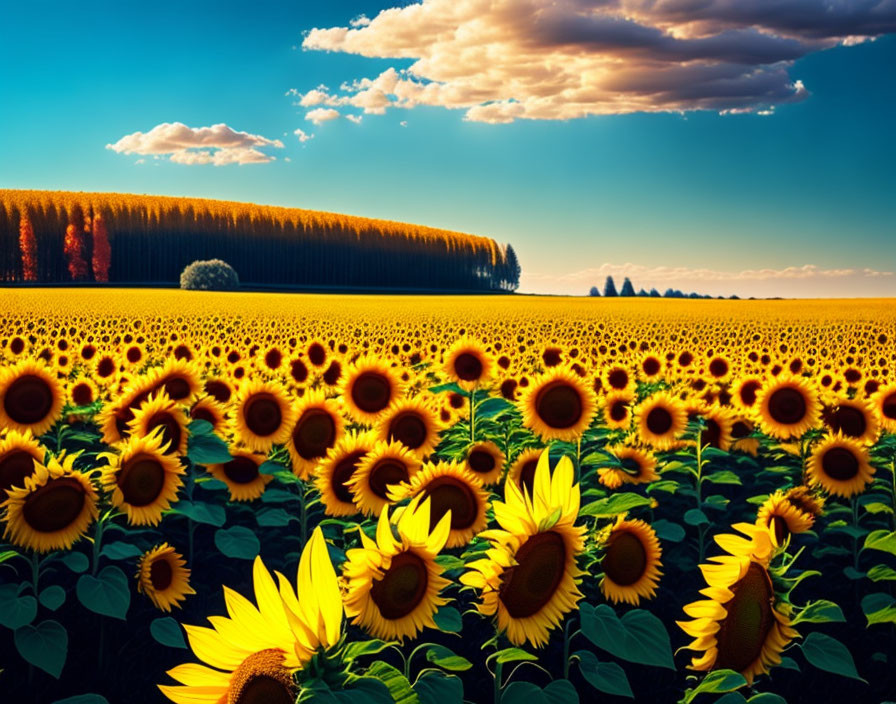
256, 650
741, 430
853, 418
143, 478
745, 390
522, 471
781, 517
336, 470
318, 427
718, 368
368, 388
105, 368
719, 423
636, 466
618, 409
650, 366
618, 378
393, 584
840, 466
741, 626
486, 461
384, 464
263, 416
211, 411
163, 577
413, 424
450, 487
53, 509
18, 453
179, 378
219, 388
787, 407
161, 412
113, 418
884, 403
631, 562
468, 363
558, 405
661, 419
83, 392
31, 398
241, 475
529, 576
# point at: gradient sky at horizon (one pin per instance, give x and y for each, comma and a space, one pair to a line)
797, 202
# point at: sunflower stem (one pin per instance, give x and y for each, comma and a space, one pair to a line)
566, 639
473, 416
97, 544
303, 513
498, 667
35, 573
893, 489
855, 525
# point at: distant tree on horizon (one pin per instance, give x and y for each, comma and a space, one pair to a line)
74, 244
628, 291
594, 291
610, 287
102, 252
512, 268
28, 246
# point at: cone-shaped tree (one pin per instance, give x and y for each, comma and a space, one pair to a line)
610, 287
28, 245
513, 268
74, 239
627, 289
594, 291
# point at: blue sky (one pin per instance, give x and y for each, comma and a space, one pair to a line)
796, 202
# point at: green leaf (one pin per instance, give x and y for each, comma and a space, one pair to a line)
272, 517
696, 517
76, 561
882, 540
606, 677
7, 555
767, 698
448, 619
451, 387
211, 484
512, 655
277, 496
271, 467
731, 698
715, 682
360, 648
829, 654
724, 477
52, 597
821, 611
167, 631
201, 512
447, 659
364, 690
83, 699
120, 551
638, 637
614, 505
17, 611
106, 594
397, 683
434, 687
666, 530
492, 407
881, 573
44, 645
561, 692
523, 693
716, 501
207, 449
237, 542
878, 507
879, 608
200, 427
789, 664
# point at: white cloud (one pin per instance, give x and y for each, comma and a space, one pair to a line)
302, 135
354, 118
319, 115
502, 60
218, 144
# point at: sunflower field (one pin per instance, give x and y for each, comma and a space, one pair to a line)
218, 498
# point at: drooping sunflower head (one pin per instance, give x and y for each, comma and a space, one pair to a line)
636, 466
336, 470
840, 466
31, 397
413, 424
558, 405
262, 416
631, 562
661, 420
787, 407
782, 518
486, 461
617, 408
241, 475
468, 363
718, 426
317, 429
163, 576
853, 418
741, 441
18, 453
368, 388
53, 509
143, 478
805, 500
160, 413
385, 465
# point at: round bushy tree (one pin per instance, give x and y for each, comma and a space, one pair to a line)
209, 275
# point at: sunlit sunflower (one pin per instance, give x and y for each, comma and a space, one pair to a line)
781, 518
558, 405
450, 487
650, 366
853, 418
637, 466
884, 403
210, 411
661, 420
31, 397
134, 355
631, 562
143, 478
368, 388
840, 466
83, 391
393, 584
18, 453
105, 368
719, 423
163, 576
263, 416
413, 424
53, 509
529, 577
617, 408
787, 407
179, 378
486, 461
718, 368
241, 475
617, 377
219, 388
317, 429
468, 363
742, 625
522, 471
746, 389
254, 651
336, 470
159, 411
384, 465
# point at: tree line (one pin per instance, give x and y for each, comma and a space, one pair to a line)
628, 291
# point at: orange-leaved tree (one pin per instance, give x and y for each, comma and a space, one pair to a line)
28, 245
74, 242
102, 252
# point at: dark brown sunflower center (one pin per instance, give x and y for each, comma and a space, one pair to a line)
508, 389
740, 430
632, 466
718, 367
481, 461
28, 399
840, 464
712, 433
177, 388
787, 406
409, 429
134, 354
262, 414
559, 405
314, 434
342, 474
82, 394
141, 480
659, 420
106, 367
402, 587
55, 505
171, 431
551, 357
273, 358
261, 679
219, 390
530, 584
651, 366
748, 392
849, 421
385, 472
317, 355
746, 627
160, 574
241, 470
451, 494
685, 359
203, 413
618, 411
779, 526
371, 392
468, 366
625, 560
527, 476
888, 406
14, 467
618, 378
